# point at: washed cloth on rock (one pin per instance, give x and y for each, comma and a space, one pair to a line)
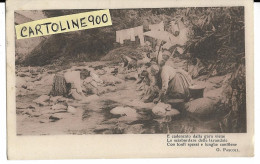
157, 27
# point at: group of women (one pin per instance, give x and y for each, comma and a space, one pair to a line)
162, 82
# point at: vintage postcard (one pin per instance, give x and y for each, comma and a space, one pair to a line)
129, 79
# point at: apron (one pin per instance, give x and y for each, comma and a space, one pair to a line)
179, 86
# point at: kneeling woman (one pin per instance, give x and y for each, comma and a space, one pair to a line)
175, 82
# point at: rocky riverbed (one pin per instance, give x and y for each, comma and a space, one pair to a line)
117, 109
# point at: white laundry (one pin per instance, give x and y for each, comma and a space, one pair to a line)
130, 34
157, 27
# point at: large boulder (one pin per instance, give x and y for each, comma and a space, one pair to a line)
202, 107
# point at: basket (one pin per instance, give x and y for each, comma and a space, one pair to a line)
196, 92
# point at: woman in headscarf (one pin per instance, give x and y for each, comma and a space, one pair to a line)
151, 90
175, 82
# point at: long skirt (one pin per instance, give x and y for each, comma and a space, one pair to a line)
178, 87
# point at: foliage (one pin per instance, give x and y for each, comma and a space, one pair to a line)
218, 40
218, 36
115, 55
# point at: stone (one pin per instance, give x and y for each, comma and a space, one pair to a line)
123, 111
71, 110
54, 118
172, 112
161, 108
127, 114
42, 100
201, 106
59, 107
24, 86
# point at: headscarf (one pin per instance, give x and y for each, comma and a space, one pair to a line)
165, 55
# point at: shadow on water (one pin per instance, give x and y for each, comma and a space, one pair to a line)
150, 123
107, 106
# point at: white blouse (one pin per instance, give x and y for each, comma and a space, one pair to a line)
167, 74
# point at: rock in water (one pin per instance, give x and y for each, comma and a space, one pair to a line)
54, 119
172, 112
71, 110
201, 106
127, 114
161, 108
123, 111
131, 76
42, 100
24, 86
23, 74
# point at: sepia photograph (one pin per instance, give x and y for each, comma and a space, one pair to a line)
155, 70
